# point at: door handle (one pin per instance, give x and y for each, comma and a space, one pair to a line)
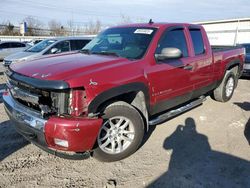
188, 67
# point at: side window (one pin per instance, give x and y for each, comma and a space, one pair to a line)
17, 45
173, 39
62, 46
22, 45
197, 39
78, 44
5, 45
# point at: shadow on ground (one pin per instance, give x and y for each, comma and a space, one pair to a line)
10, 140
194, 164
247, 131
245, 106
245, 78
2, 87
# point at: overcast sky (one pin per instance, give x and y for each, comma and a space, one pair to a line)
110, 11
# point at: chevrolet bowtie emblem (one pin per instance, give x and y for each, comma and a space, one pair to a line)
45, 75
42, 76
91, 82
35, 74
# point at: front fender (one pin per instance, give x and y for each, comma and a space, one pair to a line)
117, 91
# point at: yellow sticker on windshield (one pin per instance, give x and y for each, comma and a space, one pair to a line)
144, 31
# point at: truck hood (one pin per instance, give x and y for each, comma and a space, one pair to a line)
65, 66
20, 55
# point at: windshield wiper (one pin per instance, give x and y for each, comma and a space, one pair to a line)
106, 53
85, 51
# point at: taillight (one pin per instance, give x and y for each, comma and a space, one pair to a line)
77, 102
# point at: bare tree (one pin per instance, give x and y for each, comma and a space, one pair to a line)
8, 28
70, 26
141, 20
93, 27
34, 26
56, 28
125, 19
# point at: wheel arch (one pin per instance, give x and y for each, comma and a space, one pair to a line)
232, 65
235, 67
135, 94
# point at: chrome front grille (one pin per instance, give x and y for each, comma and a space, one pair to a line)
24, 95
43, 100
28, 96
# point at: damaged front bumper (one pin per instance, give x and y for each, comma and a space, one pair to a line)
69, 138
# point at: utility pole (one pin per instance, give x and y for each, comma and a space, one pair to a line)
236, 33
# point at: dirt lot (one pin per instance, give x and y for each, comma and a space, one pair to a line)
205, 147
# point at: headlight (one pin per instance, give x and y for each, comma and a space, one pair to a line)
6, 62
19, 60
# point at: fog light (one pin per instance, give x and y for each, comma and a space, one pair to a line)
61, 142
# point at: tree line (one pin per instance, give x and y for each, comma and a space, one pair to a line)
55, 28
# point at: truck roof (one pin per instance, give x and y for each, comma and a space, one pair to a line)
73, 37
156, 25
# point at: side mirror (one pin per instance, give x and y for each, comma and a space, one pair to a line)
169, 53
53, 50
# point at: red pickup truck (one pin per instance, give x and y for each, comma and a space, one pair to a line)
102, 100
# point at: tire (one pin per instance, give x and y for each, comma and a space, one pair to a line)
225, 90
121, 133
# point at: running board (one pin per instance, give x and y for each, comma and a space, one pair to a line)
163, 117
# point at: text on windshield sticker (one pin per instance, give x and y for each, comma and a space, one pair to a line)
144, 31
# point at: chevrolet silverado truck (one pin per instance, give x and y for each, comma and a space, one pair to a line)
102, 100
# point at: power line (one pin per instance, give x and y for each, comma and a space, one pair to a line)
37, 17
69, 10
80, 11
61, 10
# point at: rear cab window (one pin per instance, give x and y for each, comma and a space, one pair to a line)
197, 40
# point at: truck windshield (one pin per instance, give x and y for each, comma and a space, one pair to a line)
130, 43
41, 46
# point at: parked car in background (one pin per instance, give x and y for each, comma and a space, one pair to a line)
246, 70
10, 47
48, 46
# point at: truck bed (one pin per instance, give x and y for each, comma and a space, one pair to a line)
224, 48
223, 55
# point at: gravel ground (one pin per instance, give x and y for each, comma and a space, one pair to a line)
205, 147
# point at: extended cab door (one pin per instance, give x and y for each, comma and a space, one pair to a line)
170, 79
202, 62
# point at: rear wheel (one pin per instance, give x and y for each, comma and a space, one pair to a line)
225, 91
121, 133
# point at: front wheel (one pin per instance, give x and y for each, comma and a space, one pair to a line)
225, 91
121, 133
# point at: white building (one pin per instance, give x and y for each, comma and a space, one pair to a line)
228, 32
